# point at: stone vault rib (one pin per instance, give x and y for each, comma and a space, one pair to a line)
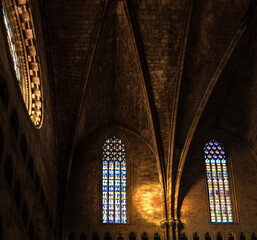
230, 49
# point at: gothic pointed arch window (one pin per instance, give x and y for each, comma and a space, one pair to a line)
216, 161
21, 38
114, 204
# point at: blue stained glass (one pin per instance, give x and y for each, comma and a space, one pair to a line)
105, 197
123, 192
114, 181
111, 192
12, 47
117, 192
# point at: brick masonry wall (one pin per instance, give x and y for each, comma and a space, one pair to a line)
213, 26
115, 92
160, 28
71, 26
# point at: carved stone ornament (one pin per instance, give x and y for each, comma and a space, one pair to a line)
26, 62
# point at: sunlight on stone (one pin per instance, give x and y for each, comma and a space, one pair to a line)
148, 202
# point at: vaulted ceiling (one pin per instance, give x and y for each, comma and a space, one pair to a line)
152, 66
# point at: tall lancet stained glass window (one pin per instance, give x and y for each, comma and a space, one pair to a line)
218, 182
114, 181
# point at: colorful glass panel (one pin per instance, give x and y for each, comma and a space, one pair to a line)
114, 181
12, 46
117, 192
105, 197
123, 193
111, 192
218, 182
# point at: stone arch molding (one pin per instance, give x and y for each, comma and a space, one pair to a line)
19, 16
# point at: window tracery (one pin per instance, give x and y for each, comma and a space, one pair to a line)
114, 181
218, 182
22, 45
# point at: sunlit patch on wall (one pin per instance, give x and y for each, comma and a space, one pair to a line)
148, 203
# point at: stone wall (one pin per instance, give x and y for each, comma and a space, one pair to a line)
28, 174
145, 208
242, 166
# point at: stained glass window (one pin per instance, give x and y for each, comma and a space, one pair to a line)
12, 46
114, 181
218, 182
20, 34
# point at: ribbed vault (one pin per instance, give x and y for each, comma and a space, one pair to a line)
115, 93
156, 68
